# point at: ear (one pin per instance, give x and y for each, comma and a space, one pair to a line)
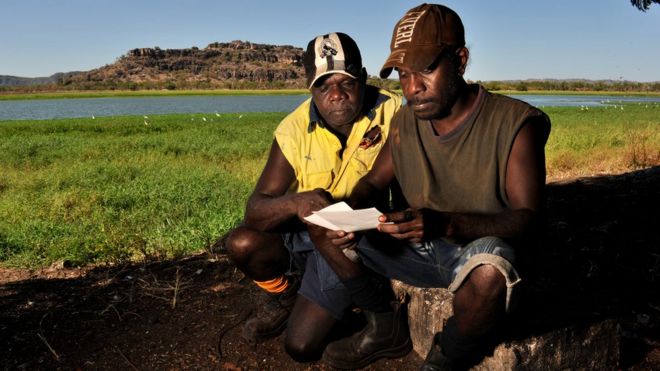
363, 75
463, 57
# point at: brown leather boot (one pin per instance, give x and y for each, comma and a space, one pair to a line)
272, 314
385, 335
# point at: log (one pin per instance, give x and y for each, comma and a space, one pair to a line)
593, 346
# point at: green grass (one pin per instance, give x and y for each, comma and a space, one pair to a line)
146, 93
602, 140
115, 189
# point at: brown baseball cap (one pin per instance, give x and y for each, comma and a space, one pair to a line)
331, 53
421, 35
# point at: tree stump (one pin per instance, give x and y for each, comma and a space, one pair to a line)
592, 346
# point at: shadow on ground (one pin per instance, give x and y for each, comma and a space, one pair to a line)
601, 260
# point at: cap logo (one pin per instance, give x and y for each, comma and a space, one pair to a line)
406, 28
328, 48
397, 56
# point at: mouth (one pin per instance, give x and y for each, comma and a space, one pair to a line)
420, 105
341, 111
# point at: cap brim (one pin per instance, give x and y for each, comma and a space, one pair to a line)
418, 59
329, 73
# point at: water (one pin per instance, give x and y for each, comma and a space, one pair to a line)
40, 109
581, 100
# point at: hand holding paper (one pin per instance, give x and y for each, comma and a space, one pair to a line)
340, 217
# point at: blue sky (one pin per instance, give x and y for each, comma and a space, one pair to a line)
594, 39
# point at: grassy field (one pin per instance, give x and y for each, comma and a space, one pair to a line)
111, 189
114, 189
602, 140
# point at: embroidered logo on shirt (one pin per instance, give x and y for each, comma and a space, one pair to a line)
371, 137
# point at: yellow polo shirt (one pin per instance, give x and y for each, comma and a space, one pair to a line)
315, 153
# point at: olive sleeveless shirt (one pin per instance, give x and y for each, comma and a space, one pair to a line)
465, 170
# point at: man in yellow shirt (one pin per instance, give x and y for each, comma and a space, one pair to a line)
319, 153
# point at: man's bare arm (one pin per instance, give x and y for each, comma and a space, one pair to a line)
270, 206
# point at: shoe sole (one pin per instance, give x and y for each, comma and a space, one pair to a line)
397, 352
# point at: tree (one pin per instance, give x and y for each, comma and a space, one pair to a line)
643, 5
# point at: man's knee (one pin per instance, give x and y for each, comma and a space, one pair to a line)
241, 244
301, 349
486, 281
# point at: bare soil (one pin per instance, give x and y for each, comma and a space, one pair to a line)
601, 259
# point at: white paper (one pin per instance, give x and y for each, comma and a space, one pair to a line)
340, 217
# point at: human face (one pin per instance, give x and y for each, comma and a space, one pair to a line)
338, 99
433, 92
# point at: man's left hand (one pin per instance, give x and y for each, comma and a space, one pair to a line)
414, 225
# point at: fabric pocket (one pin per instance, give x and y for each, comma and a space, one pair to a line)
316, 180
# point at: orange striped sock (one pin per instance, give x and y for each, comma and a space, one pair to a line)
274, 286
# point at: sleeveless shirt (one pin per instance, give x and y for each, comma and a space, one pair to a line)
465, 170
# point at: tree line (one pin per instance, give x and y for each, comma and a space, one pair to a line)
547, 85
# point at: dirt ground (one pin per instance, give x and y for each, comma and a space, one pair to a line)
601, 259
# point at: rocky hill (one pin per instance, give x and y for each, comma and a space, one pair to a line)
237, 64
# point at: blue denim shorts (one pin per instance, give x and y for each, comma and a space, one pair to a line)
438, 263
319, 283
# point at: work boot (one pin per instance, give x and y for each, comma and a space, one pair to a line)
272, 314
435, 359
385, 335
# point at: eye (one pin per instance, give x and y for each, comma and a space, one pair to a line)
350, 84
324, 88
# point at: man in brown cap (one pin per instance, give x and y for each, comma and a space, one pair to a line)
320, 151
471, 168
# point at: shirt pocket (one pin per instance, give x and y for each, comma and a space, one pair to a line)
321, 179
364, 158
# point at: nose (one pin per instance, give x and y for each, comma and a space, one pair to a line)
337, 93
414, 85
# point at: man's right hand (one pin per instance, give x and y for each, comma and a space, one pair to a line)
309, 201
342, 239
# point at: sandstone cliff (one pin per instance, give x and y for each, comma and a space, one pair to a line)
237, 64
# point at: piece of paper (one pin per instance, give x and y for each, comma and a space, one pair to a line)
340, 217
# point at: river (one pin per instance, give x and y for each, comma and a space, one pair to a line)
41, 109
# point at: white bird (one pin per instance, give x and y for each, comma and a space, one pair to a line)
146, 117
241, 116
217, 114
93, 117
204, 118
146, 123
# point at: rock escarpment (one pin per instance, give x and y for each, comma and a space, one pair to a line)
237, 64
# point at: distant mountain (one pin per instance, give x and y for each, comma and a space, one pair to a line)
242, 65
23, 81
238, 64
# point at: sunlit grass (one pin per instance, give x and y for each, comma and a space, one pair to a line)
602, 140
113, 189
126, 188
